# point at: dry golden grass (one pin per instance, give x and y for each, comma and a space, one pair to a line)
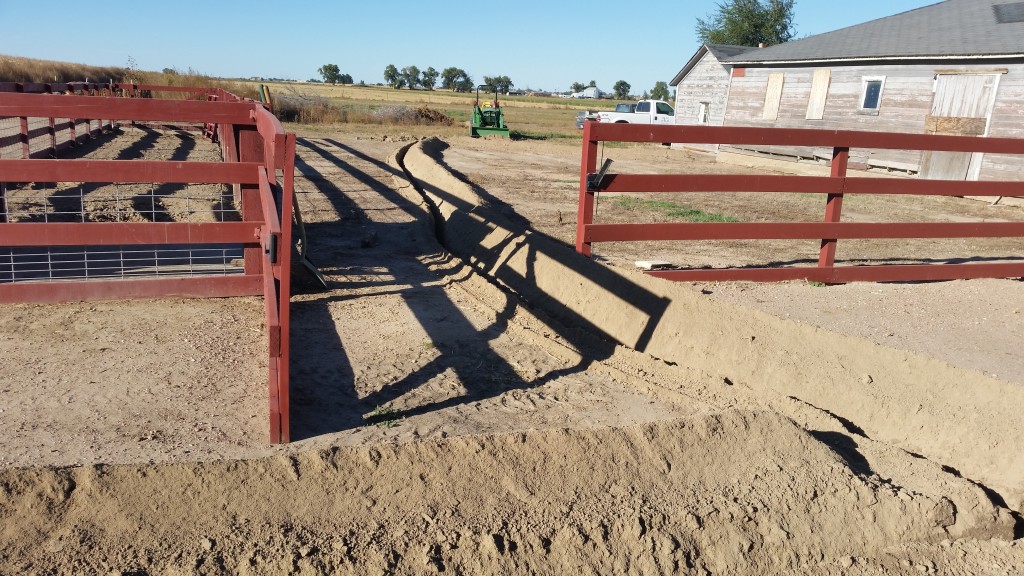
527, 116
18, 69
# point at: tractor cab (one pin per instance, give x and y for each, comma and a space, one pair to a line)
488, 117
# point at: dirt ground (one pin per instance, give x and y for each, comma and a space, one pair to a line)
470, 397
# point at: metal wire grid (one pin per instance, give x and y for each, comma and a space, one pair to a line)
10, 129
111, 202
118, 262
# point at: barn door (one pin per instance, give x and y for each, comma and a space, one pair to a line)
962, 106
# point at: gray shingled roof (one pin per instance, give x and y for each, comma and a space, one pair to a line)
720, 51
955, 28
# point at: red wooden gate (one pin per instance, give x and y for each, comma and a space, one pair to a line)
258, 164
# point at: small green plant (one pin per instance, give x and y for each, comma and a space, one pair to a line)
429, 345
383, 417
672, 210
817, 284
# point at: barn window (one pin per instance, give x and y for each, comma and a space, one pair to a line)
871, 94
704, 113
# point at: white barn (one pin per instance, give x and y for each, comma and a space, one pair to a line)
955, 67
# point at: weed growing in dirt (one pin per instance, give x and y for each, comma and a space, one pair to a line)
383, 417
672, 210
817, 284
523, 135
428, 345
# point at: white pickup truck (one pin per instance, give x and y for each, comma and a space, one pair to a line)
647, 112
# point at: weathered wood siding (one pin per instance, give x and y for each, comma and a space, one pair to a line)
905, 104
1007, 122
708, 81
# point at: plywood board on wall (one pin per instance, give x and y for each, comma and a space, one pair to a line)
773, 96
819, 93
955, 125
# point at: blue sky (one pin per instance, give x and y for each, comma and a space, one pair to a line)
538, 44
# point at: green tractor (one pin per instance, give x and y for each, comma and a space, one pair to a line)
488, 117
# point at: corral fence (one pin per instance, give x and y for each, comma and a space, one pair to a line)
148, 223
829, 231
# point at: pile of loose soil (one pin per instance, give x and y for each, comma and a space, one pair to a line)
699, 495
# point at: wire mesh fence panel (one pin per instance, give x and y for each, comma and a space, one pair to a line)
95, 202
118, 262
10, 138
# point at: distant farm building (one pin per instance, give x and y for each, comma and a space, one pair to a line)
589, 92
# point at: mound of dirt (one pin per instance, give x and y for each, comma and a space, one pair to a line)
702, 495
957, 417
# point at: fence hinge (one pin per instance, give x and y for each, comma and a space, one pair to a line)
594, 181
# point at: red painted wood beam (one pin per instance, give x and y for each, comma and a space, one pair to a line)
122, 109
628, 183
799, 231
843, 274
92, 290
129, 171
127, 233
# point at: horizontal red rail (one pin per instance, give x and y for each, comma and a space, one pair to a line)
803, 184
126, 233
123, 171
143, 109
90, 290
842, 274
799, 231
52, 87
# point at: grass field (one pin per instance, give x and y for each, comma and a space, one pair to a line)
528, 116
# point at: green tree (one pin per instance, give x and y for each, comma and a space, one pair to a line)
621, 89
429, 78
392, 77
593, 84
502, 83
411, 75
345, 79
456, 79
448, 77
464, 83
577, 87
330, 73
660, 91
748, 23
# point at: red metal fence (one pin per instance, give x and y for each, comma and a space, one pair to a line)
836, 186
258, 165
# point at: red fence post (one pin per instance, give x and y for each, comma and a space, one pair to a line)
284, 257
834, 207
250, 149
585, 212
